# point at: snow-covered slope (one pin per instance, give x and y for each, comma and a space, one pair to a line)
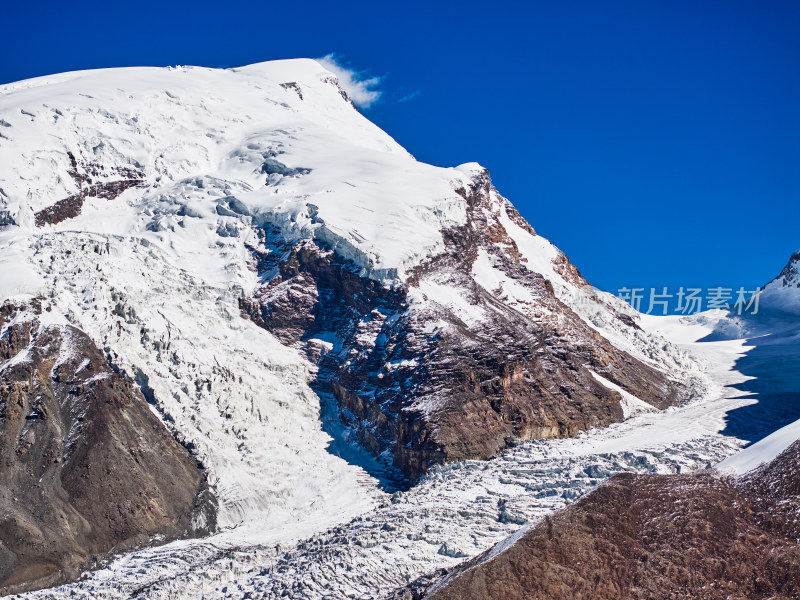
280, 138
774, 362
763, 451
254, 132
149, 206
154, 274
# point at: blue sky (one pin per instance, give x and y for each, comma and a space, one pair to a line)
656, 143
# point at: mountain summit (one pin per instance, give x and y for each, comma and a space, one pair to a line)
298, 299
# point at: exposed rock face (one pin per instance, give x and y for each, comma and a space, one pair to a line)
86, 466
654, 536
790, 275
446, 366
86, 176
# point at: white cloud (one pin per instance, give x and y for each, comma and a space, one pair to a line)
361, 89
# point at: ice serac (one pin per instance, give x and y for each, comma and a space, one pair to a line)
638, 536
86, 466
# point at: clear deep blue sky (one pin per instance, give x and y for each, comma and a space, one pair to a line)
655, 142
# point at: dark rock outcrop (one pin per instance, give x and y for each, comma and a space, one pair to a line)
85, 466
412, 377
789, 275
86, 177
654, 536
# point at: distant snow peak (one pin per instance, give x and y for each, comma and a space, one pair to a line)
783, 292
790, 275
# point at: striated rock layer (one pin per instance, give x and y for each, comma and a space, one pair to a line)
85, 465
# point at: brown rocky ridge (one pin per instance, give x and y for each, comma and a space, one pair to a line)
86, 467
653, 536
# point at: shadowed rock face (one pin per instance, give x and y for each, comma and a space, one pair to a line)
412, 377
654, 536
85, 466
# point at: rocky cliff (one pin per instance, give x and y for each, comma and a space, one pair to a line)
475, 349
85, 465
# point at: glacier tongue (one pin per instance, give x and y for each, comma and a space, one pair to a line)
458, 510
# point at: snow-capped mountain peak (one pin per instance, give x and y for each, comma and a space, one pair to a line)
783, 292
309, 310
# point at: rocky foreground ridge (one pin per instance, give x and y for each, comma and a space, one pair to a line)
653, 536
